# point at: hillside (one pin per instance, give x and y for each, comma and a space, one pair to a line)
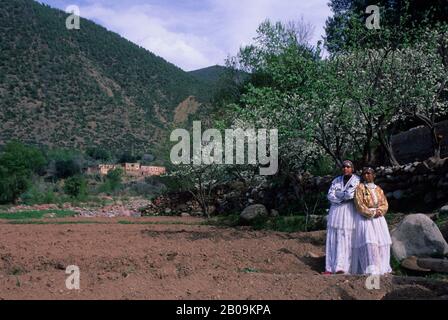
78, 88
210, 74
219, 76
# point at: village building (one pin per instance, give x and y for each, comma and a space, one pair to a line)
129, 169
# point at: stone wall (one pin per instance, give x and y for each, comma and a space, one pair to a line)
414, 187
415, 144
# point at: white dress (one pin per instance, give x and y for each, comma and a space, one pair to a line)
372, 241
340, 224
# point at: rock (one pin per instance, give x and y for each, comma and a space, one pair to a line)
136, 214
167, 211
432, 216
412, 264
237, 185
253, 193
417, 235
421, 167
310, 254
436, 265
398, 194
444, 230
184, 215
431, 163
443, 210
274, 213
252, 212
182, 207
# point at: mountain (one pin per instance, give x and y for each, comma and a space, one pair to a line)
224, 83
86, 87
210, 74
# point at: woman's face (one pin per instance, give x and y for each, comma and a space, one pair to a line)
368, 177
347, 170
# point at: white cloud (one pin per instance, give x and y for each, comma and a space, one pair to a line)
201, 35
137, 24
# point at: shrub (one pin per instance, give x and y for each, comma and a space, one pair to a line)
39, 194
76, 187
98, 153
67, 168
18, 163
113, 181
148, 187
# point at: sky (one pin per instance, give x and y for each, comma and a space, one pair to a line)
194, 34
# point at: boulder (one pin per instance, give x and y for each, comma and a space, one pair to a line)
436, 265
444, 210
417, 235
411, 263
252, 212
444, 230
432, 216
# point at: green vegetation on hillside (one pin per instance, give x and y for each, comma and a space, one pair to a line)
83, 88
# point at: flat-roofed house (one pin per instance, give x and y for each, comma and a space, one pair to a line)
152, 170
130, 169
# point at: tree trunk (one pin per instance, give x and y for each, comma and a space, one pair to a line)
436, 142
387, 146
435, 139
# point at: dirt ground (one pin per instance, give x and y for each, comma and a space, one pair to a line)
177, 258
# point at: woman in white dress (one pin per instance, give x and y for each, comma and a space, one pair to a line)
371, 249
340, 222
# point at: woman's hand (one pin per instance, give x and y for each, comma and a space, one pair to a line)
378, 213
372, 213
339, 194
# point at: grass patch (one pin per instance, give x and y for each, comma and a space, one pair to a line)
36, 214
54, 222
441, 220
282, 224
292, 223
162, 222
230, 220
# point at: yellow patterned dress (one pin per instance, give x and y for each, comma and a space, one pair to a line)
371, 239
